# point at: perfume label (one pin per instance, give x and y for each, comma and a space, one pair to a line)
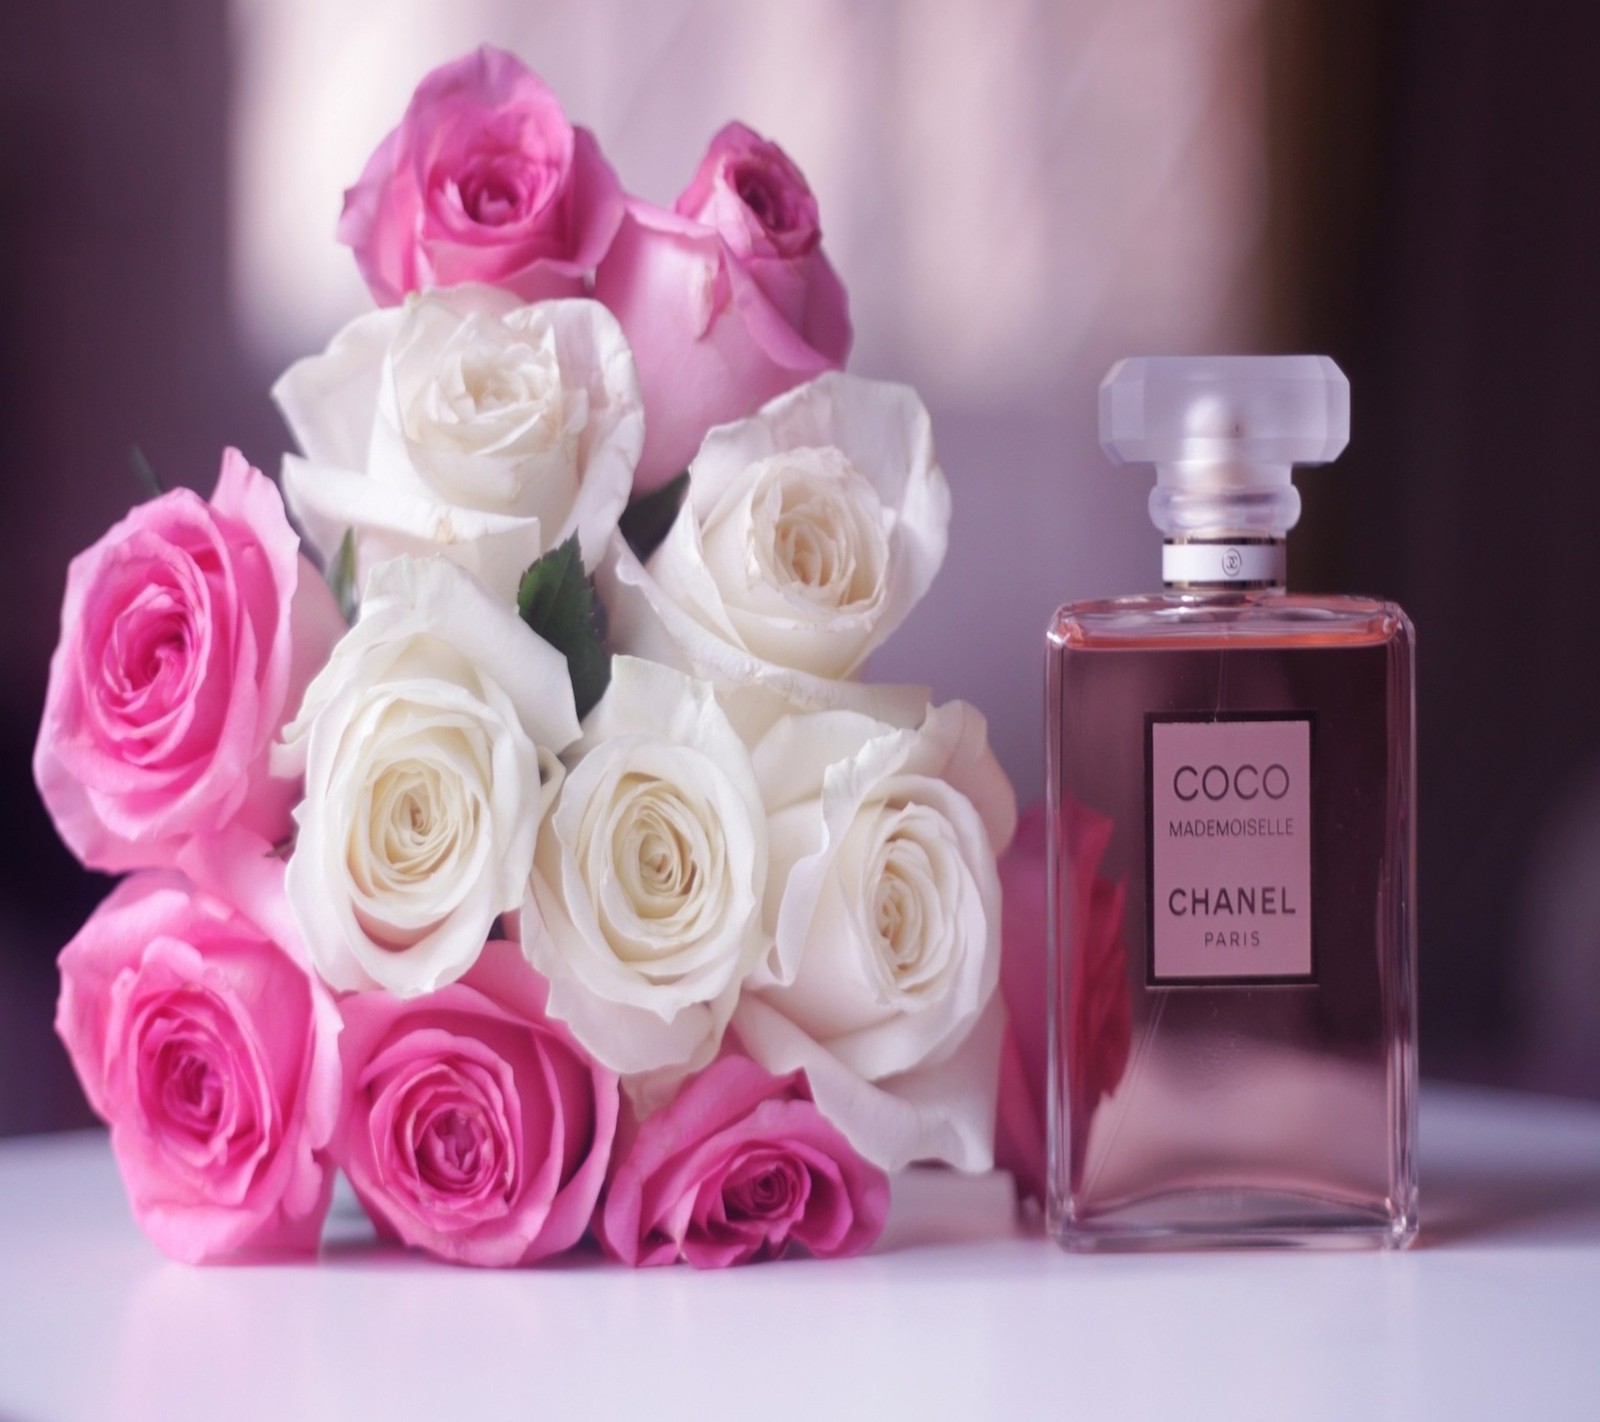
1229, 848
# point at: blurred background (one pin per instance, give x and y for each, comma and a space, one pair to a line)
1016, 192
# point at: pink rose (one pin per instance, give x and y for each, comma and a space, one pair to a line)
1099, 1023
211, 1051
188, 635
474, 1126
727, 301
738, 1167
484, 180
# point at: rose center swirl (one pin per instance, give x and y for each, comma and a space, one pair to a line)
817, 532
197, 1079
667, 865
911, 889
443, 1128
415, 837
496, 189
493, 420
146, 686
765, 1186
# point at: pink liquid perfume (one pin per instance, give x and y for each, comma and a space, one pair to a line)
1231, 782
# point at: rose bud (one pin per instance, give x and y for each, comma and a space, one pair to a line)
726, 301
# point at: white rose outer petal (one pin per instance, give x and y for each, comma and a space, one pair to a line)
942, 1112
416, 608
647, 979
329, 400
755, 694
327, 501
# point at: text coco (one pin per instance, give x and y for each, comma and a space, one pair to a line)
1218, 782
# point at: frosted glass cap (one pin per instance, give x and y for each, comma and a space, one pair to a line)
1224, 433
1272, 410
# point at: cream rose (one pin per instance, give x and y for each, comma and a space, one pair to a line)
644, 906
809, 532
469, 424
884, 904
429, 745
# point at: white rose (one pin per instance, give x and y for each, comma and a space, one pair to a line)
429, 747
644, 906
469, 424
808, 533
885, 908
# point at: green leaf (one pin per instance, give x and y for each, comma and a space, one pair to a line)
649, 518
145, 472
558, 601
342, 576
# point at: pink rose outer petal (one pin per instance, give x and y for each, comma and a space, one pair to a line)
669, 1198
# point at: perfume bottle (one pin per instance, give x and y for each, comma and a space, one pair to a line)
1231, 797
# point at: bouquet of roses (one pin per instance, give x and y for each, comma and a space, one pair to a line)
545, 865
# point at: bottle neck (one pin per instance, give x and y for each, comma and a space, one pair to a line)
1243, 564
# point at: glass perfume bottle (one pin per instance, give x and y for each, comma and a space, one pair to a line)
1231, 796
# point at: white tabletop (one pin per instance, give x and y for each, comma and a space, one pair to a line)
960, 1312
